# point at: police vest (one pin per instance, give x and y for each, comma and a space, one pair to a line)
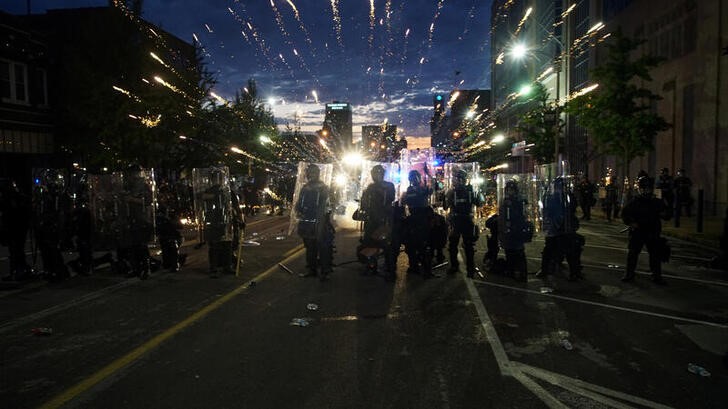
416, 197
463, 200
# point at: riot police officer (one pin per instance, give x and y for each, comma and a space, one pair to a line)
416, 199
216, 202
48, 200
137, 227
376, 205
560, 225
14, 225
666, 185
314, 226
514, 231
460, 200
683, 184
642, 214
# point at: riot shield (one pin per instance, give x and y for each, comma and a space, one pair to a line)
558, 207
517, 209
136, 202
473, 179
326, 176
51, 198
471, 168
213, 203
103, 191
421, 160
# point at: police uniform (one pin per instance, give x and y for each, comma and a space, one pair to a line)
376, 204
514, 231
314, 227
219, 251
642, 214
460, 201
48, 200
417, 198
560, 225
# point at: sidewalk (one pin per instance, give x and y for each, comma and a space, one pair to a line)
710, 236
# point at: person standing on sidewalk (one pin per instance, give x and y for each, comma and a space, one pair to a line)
642, 214
609, 203
682, 193
585, 193
666, 184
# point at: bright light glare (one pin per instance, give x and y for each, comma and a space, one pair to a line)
340, 179
519, 51
264, 139
353, 159
498, 138
525, 90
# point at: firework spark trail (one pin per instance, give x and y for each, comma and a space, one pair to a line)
372, 24
297, 16
242, 24
337, 22
431, 33
158, 40
259, 41
387, 50
289, 42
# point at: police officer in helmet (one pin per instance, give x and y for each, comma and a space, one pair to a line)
417, 198
514, 231
560, 224
314, 227
460, 200
376, 204
642, 214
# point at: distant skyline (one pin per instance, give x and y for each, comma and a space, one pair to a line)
385, 58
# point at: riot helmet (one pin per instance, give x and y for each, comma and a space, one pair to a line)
217, 176
312, 173
644, 186
559, 183
681, 172
511, 188
377, 173
414, 178
460, 177
665, 172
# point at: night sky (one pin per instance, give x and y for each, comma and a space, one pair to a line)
386, 63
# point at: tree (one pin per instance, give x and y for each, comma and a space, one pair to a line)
542, 125
618, 114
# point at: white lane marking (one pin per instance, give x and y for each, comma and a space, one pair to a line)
610, 306
644, 250
647, 273
583, 386
500, 353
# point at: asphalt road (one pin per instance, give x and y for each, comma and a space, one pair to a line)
184, 340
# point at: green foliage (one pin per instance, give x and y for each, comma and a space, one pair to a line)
541, 125
618, 114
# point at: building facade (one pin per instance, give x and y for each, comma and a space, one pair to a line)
691, 37
26, 123
338, 125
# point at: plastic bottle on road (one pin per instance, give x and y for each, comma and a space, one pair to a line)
698, 370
